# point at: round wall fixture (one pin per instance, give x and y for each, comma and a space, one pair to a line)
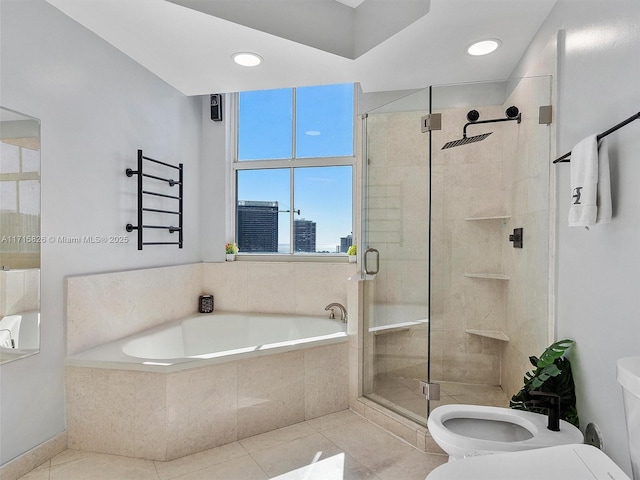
247, 59
483, 47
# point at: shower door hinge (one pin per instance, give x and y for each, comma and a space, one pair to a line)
431, 122
430, 390
545, 115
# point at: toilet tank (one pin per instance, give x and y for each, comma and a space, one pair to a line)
628, 376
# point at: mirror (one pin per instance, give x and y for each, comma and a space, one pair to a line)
19, 235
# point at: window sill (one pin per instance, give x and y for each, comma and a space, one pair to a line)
321, 258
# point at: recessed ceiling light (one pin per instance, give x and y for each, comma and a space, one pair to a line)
312, 133
247, 59
483, 47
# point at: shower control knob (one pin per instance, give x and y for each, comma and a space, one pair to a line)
516, 238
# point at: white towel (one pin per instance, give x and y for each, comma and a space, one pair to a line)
604, 184
584, 183
590, 183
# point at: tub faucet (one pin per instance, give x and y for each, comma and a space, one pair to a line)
13, 343
332, 314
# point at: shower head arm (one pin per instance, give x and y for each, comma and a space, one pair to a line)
464, 129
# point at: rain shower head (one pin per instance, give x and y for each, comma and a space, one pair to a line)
512, 113
464, 140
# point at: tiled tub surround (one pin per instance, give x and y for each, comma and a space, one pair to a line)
108, 306
165, 414
19, 291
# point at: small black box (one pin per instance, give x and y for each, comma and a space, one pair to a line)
205, 304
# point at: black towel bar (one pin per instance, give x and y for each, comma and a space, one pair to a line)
161, 195
565, 157
160, 163
141, 209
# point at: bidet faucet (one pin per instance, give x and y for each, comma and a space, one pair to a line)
552, 406
343, 311
13, 343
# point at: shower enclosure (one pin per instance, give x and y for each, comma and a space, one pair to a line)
449, 172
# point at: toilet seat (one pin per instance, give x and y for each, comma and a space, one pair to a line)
458, 444
565, 462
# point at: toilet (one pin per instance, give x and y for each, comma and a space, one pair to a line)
628, 375
465, 430
563, 462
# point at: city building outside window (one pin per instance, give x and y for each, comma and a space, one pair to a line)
293, 170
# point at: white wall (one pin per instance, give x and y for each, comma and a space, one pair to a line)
97, 108
597, 301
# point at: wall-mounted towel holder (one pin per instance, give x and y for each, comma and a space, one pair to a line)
566, 156
142, 192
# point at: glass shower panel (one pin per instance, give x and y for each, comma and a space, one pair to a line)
489, 306
395, 223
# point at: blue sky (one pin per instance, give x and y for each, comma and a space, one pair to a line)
324, 128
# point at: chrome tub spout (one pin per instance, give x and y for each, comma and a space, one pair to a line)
332, 314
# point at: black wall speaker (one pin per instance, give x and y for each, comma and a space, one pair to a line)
216, 107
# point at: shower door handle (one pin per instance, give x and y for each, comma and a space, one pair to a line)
366, 261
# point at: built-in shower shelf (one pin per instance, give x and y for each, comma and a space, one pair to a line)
495, 334
498, 217
490, 276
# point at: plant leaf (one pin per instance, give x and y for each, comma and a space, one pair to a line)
553, 352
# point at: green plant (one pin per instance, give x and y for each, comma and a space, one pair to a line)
353, 250
231, 248
552, 374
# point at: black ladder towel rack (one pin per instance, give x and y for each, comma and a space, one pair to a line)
142, 192
565, 157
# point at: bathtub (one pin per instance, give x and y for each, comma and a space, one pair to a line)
24, 329
212, 338
205, 381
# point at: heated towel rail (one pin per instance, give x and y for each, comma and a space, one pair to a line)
142, 192
565, 157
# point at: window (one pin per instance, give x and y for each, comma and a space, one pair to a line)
293, 170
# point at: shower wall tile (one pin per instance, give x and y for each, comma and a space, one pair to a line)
527, 303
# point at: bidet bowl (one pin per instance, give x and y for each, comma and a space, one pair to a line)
461, 430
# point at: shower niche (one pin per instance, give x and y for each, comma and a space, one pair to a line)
440, 208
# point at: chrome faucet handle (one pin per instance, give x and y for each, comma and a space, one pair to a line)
332, 313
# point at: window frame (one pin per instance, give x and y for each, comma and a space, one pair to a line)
291, 164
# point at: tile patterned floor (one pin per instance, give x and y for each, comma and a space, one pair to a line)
340, 446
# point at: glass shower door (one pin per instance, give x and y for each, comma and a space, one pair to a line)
454, 301
395, 233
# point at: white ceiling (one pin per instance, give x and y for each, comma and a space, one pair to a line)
350, 3
383, 44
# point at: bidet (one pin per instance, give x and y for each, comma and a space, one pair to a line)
462, 429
